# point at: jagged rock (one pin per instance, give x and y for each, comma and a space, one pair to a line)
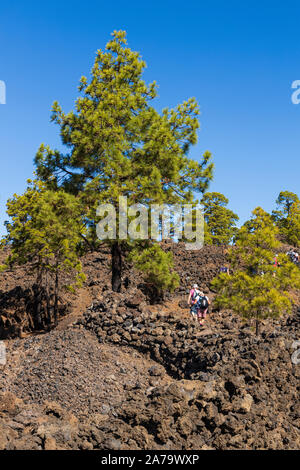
142, 376
244, 404
156, 371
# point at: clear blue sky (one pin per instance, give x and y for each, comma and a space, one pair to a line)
238, 59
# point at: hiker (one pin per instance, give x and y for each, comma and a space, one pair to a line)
224, 269
290, 254
203, 304
192, 300
198, 303
293, 255
275, 264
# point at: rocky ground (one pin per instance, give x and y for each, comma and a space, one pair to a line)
120, 373
16, 293
72, 368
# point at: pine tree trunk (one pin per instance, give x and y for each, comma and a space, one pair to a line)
38, 297
56, 297
257, 327
38, 303
48, 307
116, 256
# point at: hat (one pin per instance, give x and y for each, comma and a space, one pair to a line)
195, 286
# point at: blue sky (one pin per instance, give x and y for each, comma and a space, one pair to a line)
238, 59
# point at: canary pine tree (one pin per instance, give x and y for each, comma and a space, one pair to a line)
291, 229
284, 202
220, 222
157, 266
257, 289
120, 145
44, 234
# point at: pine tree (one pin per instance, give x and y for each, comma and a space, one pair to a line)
284, 202
157, 266
257, 290
119, 145
220, 222
291, 229
44, 234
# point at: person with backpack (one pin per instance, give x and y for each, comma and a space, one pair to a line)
290, 254
224, 269
203, 304
198, 303
275, 264
193, 299
293, 255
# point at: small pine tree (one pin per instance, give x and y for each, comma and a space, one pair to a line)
220, 222
44, 233
257, 290
157, 266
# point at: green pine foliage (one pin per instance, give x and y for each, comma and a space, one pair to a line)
158, 267
220, 222
257, 289
284, 203
120, 145
44, 233
291, 229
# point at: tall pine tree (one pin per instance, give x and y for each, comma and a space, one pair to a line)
284, 203
291, 229
119, 145
220, 221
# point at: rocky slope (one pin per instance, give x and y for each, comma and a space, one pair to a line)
130, 375
16, 286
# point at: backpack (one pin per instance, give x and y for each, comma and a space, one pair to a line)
195, 296
202, 302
